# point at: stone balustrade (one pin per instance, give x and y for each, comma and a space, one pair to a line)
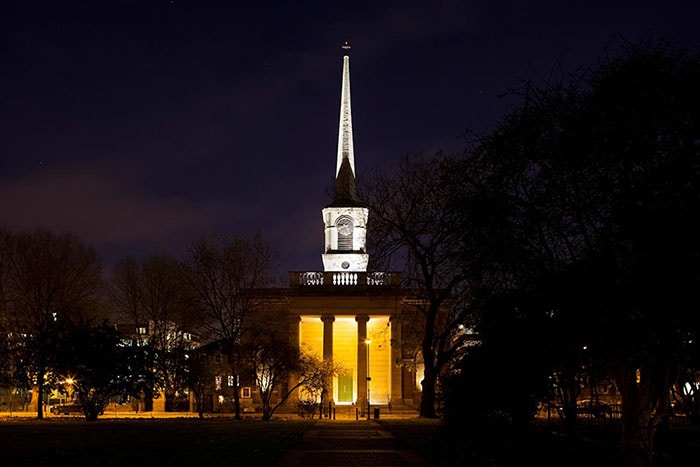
343, 279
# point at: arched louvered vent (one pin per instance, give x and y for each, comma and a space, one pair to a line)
344, 226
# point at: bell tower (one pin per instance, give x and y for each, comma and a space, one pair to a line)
345, 219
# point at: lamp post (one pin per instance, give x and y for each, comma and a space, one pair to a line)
69, 388
369, 378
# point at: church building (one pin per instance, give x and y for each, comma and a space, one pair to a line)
346, 313
343, 314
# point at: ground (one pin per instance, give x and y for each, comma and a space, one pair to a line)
69, 440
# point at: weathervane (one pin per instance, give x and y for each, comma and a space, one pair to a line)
346, 46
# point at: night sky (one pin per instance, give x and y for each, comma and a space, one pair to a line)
141, 125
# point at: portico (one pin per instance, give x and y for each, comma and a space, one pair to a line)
345, 340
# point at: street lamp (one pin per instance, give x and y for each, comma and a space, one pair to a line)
69, 388
369, 378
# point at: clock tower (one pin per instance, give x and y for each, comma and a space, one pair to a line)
345, 219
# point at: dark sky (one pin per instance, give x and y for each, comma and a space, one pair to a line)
140, 125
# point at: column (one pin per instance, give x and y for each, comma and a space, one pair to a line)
396, 363
362, 362
328, 336
293, 323
327, 395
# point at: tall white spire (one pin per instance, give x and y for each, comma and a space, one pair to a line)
345, 219
345, 145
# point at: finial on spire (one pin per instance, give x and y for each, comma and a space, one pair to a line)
346, 46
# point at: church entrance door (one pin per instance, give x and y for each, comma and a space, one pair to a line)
345, 387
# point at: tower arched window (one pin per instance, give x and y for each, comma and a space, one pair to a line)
344, 226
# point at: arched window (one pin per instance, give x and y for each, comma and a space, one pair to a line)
344, 227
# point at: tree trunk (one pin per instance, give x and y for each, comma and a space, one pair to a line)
427, 399
265, 397
236, 392
569, 390
430, 371
639, 419
40, 395
169, 401
636, 440
199, 398
148, 400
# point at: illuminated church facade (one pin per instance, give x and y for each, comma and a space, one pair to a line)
345, 313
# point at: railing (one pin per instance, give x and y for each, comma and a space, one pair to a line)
343, 278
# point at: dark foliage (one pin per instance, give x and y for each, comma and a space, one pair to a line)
584, 201
99, 366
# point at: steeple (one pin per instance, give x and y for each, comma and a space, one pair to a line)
345, 146
345, 219
345, 190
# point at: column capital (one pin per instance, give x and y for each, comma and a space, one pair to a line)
361, 318
327, 318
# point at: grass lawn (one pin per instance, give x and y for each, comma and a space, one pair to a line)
500, 446
135, 442
538, 445
176, 442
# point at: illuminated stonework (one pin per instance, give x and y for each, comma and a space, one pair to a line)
350, 385
346, 315
346, 149
336, 254
345, 220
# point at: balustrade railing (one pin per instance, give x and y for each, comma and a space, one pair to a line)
343, 279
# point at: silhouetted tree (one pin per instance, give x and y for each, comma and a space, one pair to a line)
51, 280
95, 362
13, 371
514, 334
411, 225
226, 274
275, 360
593, 182
201, 372
152, 297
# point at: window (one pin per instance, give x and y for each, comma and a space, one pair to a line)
344, 226
245, 392
231, 381
217, 382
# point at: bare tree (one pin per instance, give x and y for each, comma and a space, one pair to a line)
410, 223
226, 275
51, 280
201, 372
276, 360
13, 375
152, 296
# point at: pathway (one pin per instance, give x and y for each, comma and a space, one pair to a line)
335, 443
